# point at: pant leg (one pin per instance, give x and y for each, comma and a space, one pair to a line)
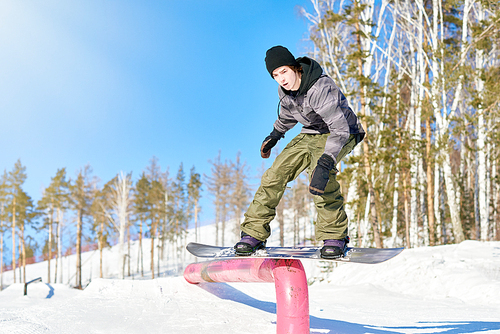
292, 161
331, 222
301, 153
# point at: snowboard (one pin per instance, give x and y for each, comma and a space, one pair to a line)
355, 255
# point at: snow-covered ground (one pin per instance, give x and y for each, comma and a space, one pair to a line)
446, 289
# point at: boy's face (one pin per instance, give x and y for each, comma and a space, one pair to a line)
287, 78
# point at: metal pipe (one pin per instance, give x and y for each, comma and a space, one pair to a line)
288, 275
39, 279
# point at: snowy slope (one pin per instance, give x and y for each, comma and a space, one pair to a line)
444, 289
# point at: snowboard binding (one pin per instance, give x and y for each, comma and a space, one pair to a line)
248, 245
334, 249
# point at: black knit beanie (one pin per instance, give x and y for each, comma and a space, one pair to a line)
278, 56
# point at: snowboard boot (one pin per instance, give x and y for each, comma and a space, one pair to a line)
248, 245
334, 249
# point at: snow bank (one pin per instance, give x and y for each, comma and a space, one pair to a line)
468, 272
446, 289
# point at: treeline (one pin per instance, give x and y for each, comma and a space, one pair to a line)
423, 76
155, 205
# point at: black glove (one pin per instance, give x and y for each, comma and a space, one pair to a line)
269, 143
321, 174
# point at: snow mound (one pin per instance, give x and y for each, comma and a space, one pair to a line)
444, 289
468, 272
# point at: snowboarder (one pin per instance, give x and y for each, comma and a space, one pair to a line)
330, 131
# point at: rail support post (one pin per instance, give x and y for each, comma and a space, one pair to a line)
288, 275
36, 280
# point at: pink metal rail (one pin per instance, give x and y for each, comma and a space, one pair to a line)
292, 297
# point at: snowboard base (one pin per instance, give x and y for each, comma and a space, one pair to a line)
355, 255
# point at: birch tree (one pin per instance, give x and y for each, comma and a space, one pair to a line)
347, 38
433, 46
121, 199
3, 220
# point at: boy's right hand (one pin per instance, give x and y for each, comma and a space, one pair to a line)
269, 143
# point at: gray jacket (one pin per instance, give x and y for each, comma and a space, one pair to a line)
322, 108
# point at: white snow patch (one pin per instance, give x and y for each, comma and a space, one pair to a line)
445, 289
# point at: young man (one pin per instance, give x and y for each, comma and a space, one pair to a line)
330, 131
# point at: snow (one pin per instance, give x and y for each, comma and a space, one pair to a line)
444, 289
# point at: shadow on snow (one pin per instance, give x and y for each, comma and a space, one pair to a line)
321, 325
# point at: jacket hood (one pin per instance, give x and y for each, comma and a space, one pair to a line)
312, 71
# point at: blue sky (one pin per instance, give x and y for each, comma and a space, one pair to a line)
114, 83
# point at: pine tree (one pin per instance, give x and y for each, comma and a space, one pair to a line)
22, 213
240, 197
46, 204
142, 208
157, 208
16, 179
194, 195
82, 194
178, 199
101, 206
3, 219
26, 214
55, 201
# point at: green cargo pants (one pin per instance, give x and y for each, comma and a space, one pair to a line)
301, 153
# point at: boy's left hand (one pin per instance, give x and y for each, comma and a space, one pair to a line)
321, 174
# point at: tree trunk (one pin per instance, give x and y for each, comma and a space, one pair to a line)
1, 250
413, 200
19, 256
366, 160
158, 246
153, 227
453, 200
78, 275
497, 201
366, 222
430, 185
435, 198
140, 252
350, 209
60, 216
128, 250
196, 220
23, 253
101, 247
407, 213
14, 238
217, 216
395, 202
49, 246
57, 248
482, 169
